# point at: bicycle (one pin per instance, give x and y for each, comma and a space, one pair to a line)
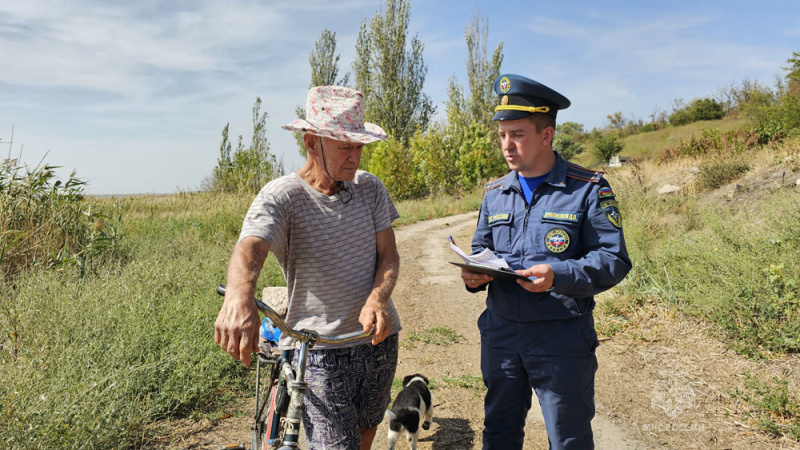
278, 418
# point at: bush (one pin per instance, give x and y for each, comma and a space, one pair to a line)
479, 156
715, 174
607, 145
390, 161
433, 156
716, 143
777, 121
701, 109
567, 146
45, 222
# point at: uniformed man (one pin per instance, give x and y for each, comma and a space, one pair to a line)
558, 224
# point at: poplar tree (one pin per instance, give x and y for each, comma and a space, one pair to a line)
324, 64
391, 74
481, 73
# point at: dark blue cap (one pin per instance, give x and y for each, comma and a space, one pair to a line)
521, 97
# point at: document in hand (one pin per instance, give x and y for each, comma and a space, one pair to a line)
485, 262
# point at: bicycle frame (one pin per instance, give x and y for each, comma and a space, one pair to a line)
295, 381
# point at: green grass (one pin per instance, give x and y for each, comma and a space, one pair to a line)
740, 269
777, 411
412, 211
442, 336
654, 143
470, 382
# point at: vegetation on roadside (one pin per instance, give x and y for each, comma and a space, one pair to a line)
45, 222
775, 410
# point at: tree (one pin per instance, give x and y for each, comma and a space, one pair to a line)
481, 74
616, 121
390, 76
793, 77
568, 139
324, 64
607, 145
248, 168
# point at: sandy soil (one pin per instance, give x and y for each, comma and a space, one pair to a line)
663, 382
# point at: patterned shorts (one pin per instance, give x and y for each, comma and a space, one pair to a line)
348, 389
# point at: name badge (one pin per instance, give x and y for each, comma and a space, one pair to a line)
499, 218
562, 216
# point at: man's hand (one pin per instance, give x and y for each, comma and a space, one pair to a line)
373, 314
544, 278
474, 280
236, 328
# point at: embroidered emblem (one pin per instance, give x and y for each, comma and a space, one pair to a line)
605, 192
505, 85
611, 208
498, 218
562, 216
556, 240
504, 100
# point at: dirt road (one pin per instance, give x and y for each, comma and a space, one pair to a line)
662, 383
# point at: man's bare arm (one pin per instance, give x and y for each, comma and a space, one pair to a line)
388, 268
236, 327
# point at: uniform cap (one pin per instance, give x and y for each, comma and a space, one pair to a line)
520, 97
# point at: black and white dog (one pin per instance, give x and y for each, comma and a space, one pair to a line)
412, 404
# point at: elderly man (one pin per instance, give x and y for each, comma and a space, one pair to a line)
329, 226
559, 225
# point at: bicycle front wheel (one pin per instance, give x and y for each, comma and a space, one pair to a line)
268, 432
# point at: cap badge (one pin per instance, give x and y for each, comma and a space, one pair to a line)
505, 85
504, 100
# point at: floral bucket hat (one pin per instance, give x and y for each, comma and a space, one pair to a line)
337, 112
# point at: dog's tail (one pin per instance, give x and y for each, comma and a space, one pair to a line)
390, 415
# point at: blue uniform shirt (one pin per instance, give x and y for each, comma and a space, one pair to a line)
572, 223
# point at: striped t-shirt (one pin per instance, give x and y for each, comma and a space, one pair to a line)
326, 246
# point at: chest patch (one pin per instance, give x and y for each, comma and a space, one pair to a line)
499, 218
561, 216
611, 208
556, 240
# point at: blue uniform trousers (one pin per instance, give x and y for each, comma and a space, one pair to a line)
557, 359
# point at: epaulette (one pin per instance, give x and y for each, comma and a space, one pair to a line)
583, 174
494, 184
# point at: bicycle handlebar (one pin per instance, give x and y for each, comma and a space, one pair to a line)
302, 335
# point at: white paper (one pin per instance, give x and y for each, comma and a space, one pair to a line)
486, 257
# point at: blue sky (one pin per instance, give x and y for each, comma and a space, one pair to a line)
134, 95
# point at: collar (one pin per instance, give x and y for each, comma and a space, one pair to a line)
556, 178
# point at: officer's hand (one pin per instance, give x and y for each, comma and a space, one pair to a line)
544, 278
236, 328
373, 314
474, 280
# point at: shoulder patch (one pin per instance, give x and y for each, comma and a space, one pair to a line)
583, 174
605, 192
493, 184
611, 208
